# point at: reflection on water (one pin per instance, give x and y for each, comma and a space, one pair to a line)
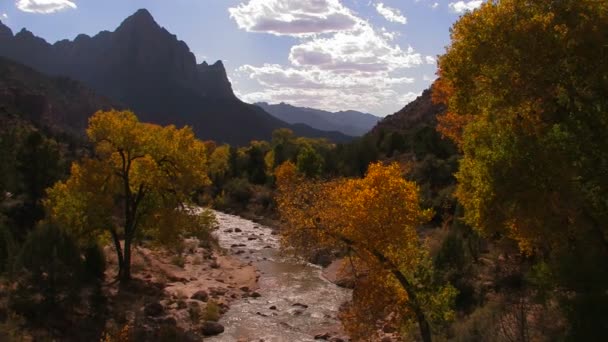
296, 302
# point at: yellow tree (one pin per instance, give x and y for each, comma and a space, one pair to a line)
525, 83
376, 219
138, 183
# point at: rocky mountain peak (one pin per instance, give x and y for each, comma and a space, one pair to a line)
5, 32
140, 20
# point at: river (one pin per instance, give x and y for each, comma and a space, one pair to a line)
296, 302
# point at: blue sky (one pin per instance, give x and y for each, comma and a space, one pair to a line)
367, 55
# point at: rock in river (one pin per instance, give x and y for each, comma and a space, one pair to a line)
210, 328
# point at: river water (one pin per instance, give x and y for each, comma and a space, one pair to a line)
306, 303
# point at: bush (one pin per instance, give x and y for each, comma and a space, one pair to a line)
94, 262
239, 191
178, 260
50, 273
212, 311
8, 249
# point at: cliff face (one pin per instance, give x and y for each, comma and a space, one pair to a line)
138, 55
150, 71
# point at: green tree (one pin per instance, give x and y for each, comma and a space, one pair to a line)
525, 85
309, 162
138, 183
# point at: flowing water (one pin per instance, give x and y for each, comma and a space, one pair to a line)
306, 304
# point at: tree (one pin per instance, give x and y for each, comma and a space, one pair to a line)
525, 87
138, 183
309, 162
219, 164
375, 218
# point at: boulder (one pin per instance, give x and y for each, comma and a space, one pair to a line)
201, 295
154, 309
210, 328
324, 336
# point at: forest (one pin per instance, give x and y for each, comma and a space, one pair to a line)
488, 222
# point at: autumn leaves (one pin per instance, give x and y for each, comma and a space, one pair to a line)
376, 219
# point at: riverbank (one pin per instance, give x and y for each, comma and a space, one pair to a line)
177, 295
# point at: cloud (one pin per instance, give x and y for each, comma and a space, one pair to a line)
292, 17
408, 97
391, 14
435, 5
464, 6
429, 78
361, 49
4, 16
430, 60
358, 66
44, 6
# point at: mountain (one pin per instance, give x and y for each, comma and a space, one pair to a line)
148, 69
421, 112
57, 103
348, 122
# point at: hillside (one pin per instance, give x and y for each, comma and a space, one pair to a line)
57, 103
148, 69
349, 122
420, 112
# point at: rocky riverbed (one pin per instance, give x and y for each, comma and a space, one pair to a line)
292, 302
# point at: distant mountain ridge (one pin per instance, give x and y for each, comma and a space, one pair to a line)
349, 122
148, 69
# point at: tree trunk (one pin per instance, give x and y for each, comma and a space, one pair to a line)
423, 323
119, 254
126, 268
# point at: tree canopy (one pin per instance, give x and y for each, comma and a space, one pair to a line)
525, 83
376, 218
138, 183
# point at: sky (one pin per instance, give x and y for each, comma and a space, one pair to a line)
368, 55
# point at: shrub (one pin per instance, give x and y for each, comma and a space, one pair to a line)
178, 260
239, 190
50, 273
8, 249
94, 262
212, 311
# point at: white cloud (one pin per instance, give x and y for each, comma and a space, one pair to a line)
293, 17
4, 16
408, 97
435, 5
391, 14
429, 78
464, 6
359, 66
361, 49
44, 6
430, 60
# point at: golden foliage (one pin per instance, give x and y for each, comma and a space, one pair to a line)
138, 183
376, 218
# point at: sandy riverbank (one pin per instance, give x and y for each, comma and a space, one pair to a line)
173, 293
